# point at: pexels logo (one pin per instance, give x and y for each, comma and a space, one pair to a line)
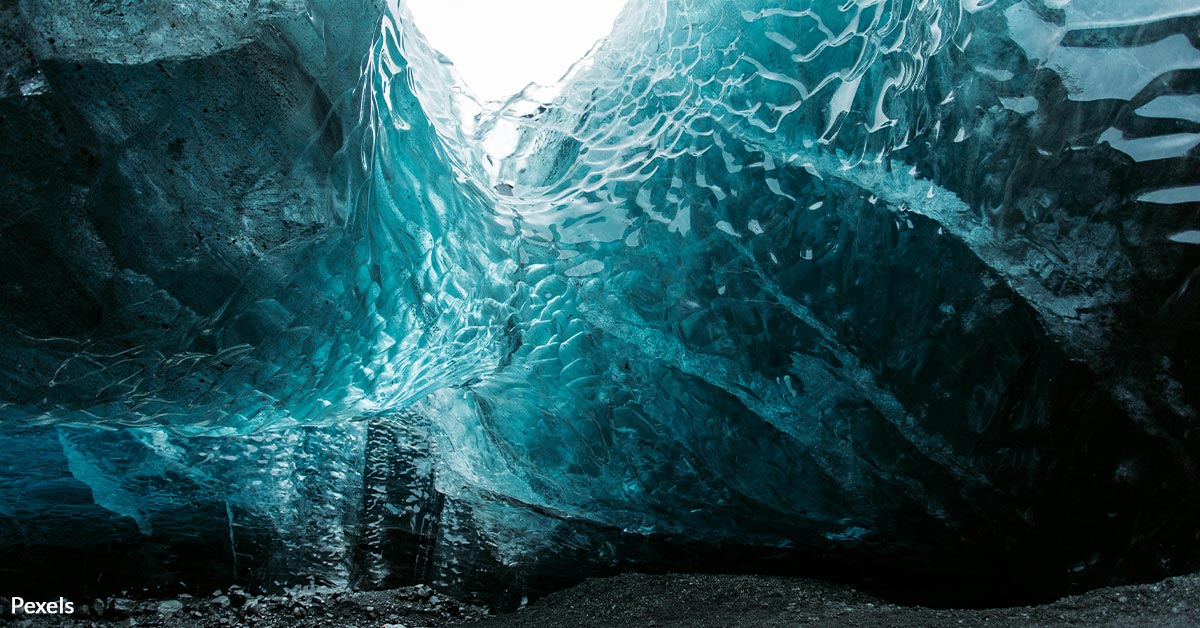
58, 607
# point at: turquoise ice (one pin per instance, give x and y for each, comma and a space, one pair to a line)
900, 283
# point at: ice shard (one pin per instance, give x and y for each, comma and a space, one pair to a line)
907, 286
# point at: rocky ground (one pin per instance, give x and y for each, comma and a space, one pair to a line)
410, 607
692, 601
702, 601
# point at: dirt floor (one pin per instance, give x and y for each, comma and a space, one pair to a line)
691, 601
701, 601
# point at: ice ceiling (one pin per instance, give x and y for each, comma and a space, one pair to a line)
908, 285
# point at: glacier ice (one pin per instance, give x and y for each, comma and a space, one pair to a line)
905, 285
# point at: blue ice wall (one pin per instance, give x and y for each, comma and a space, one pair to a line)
900, 285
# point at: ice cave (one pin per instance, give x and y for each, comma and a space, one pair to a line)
901, 293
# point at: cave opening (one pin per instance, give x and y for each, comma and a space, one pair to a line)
499, 48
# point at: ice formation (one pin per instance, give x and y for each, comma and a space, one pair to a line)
908, 285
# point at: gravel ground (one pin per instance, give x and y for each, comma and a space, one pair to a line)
703, 601
410, 607
691, 601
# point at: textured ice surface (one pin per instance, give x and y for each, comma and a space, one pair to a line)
906, 284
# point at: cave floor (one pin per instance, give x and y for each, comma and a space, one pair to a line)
704, 601
692, 601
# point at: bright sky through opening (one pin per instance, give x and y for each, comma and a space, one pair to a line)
500, 46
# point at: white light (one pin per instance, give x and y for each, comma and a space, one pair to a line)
500, 46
